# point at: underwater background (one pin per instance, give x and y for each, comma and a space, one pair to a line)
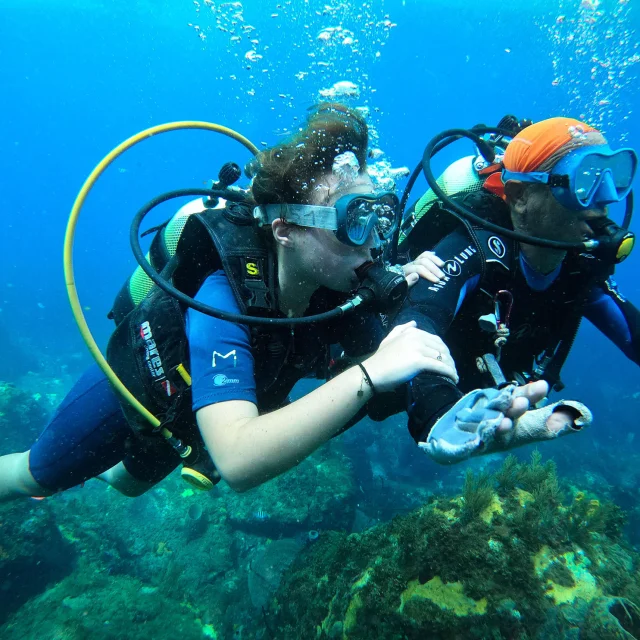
538, 548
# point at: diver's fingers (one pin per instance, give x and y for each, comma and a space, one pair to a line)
518, 407
412, 279
398, 330
430, 255
533, 392
425, 268
505, 426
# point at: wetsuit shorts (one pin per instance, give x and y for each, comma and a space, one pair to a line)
89, 434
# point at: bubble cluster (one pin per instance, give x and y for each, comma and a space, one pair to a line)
384, 176
346, 168
323, 49
595, 57
335, 42
341, 90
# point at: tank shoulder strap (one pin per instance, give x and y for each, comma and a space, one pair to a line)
229, 239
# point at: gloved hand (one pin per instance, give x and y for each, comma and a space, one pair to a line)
477, 424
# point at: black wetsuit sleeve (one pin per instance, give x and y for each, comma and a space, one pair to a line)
362, 333
616, 318
433, 308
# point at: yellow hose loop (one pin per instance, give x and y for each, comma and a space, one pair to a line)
69, 238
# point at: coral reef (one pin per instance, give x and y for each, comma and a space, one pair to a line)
22, 416
277, 508
512, 553
512, 557
33, 554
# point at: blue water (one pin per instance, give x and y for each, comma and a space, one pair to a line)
77, 78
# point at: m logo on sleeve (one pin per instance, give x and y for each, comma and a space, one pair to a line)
224, 356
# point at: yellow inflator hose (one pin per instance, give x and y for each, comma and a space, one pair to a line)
70, 236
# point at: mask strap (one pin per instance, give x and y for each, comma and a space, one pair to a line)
305, 215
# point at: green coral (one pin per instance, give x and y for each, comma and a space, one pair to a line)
497, 561
477, 494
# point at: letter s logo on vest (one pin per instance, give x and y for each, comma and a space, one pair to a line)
496, 246
252, 268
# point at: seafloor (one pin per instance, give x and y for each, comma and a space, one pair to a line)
354, 543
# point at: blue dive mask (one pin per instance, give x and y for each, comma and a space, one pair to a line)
352, 218
587, 178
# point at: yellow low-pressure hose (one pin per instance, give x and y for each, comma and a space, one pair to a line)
70, 236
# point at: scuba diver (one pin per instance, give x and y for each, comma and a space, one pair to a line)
310, 230
526, 250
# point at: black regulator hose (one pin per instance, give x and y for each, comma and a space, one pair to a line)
365, 293
486, 149
451, 135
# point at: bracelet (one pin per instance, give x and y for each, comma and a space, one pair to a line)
368, 380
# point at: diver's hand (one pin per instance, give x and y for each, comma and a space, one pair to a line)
427, 265
406, 352
485, 421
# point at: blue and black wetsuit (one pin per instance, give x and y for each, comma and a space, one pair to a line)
544, 316
89, 434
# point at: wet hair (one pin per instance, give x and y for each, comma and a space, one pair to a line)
290, 171
589, 139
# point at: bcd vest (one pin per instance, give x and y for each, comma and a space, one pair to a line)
148, 349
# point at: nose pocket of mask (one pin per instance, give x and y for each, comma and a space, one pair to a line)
606, 192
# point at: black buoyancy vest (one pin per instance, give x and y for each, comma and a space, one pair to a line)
148, 349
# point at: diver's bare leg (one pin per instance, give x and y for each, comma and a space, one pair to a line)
121, 480
16, 480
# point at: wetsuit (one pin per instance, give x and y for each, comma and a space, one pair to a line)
544, 315
89, 434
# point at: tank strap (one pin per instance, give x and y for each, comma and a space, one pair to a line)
247, 260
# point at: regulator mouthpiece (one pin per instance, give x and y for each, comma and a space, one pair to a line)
229, 173
384, 290
613, 243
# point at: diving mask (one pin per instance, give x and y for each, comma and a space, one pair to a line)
352, 218
587, 178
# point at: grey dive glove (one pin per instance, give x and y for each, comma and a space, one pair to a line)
470, 427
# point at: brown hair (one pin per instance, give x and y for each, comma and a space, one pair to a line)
289, 171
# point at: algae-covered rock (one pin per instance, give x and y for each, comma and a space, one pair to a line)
33, 554
100, 607
611, 618
498, 561
22, 416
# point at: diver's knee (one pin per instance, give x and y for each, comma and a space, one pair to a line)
123, 482
16, 478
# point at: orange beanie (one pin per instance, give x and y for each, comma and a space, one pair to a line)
539, 141
535, 144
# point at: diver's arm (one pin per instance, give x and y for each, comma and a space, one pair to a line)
433, 307
249, 449
616, 318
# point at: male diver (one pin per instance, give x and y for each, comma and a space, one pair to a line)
509, 311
